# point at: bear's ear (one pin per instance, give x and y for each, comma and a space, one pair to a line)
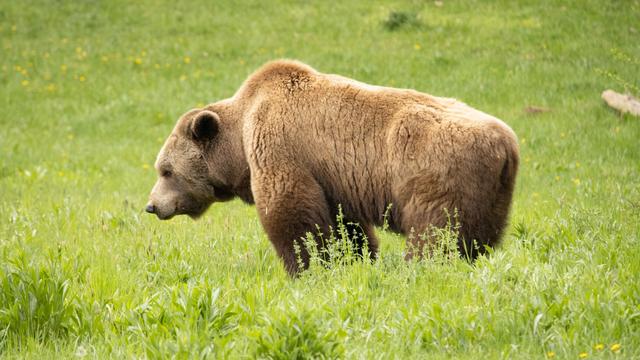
204, 125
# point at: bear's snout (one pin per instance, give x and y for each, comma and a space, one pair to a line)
150, 208
162, 212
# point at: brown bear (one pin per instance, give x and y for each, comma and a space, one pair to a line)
301, 144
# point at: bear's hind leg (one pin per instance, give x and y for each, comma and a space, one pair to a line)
476, 222
418, 223
419, 204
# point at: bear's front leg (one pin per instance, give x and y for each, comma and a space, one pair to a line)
290, 205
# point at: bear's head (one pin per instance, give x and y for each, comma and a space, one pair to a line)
191, 167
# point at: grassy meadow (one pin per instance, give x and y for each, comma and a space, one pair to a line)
90, 89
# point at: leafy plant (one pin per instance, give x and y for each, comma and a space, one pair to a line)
34, 300
181, 320
296, 334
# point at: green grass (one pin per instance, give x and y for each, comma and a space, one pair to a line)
89, 90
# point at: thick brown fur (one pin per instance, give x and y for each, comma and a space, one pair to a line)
301, 143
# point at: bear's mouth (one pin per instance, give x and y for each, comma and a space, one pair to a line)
196, 213
165, 216
194, 208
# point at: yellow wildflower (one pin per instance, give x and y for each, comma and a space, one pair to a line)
187, 60
577, 164
25, 83
157, 66
82, 78
183, 77
583, 355
551, 354
145, 166
63, 68
104, 58
562, 135
616, 347
576, 181
51, 87
598, 347
137, 61
416, 46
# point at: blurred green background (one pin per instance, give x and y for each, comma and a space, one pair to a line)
90, 89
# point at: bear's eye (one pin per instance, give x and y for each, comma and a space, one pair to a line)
166, 173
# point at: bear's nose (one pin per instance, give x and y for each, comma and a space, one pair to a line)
150, 208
